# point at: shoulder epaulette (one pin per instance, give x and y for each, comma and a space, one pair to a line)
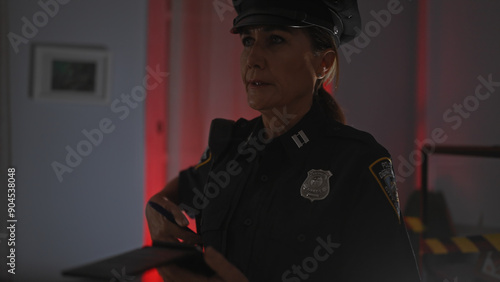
348, 132
221, 131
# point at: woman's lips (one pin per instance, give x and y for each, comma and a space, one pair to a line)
257, 83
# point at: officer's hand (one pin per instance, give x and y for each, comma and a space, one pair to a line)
162, 229
225, 271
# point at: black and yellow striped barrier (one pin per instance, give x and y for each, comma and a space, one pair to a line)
414, 224
464, 245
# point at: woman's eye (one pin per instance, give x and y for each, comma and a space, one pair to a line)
246, 41
275, 39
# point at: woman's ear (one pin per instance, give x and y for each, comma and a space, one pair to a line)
327, 61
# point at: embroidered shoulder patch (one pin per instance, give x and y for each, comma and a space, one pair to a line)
384, 174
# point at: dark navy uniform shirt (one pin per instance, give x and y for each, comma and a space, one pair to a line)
318, 203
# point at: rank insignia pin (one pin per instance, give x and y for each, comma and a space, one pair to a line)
317, 185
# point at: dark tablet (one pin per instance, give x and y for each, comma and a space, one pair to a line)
137, 261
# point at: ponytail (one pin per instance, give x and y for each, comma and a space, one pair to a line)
329, 105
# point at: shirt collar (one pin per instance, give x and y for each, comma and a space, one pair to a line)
298, 140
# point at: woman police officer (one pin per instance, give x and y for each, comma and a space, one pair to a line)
294, 194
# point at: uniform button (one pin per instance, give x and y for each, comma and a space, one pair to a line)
301, 238
248, 222
264, 178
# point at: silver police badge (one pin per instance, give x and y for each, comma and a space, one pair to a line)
317, 185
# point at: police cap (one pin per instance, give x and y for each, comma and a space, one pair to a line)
340, 17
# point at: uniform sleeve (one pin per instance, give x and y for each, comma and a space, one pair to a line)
376, 246
192, 180
191, 183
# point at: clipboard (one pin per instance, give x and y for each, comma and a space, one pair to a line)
137, 261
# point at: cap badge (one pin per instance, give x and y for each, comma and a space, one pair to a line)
335, 30
317, 185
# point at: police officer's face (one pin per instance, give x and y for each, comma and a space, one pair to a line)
278, 68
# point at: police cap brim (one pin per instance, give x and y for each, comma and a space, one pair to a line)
264, 20
339, 17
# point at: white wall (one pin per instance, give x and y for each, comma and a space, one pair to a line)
97, 210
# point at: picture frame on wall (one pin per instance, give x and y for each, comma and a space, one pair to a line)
76, 74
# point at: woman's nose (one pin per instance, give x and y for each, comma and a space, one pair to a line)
256, 56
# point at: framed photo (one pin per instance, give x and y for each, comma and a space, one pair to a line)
71, 73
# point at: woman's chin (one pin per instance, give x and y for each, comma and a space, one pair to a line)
259, 105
